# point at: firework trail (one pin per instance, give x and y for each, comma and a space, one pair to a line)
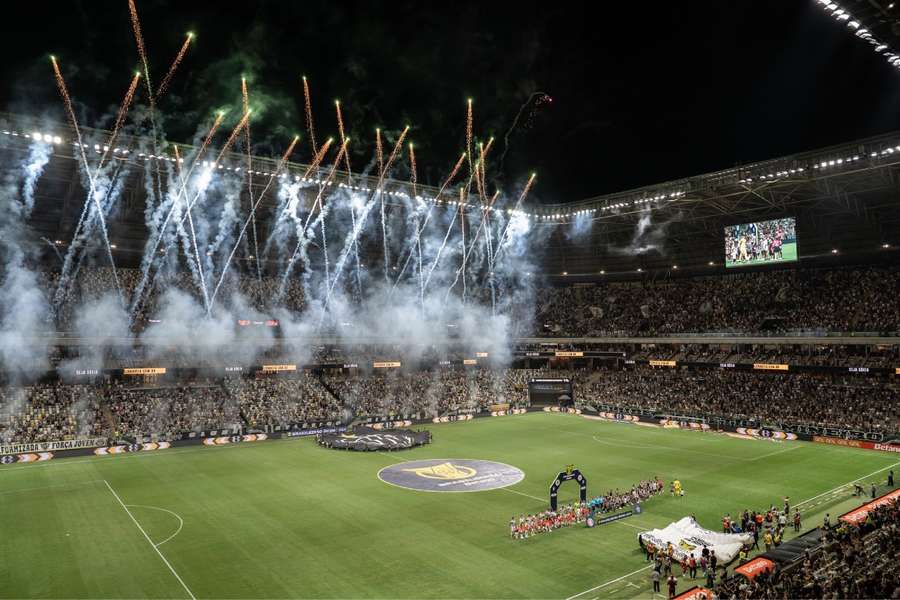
120, 119
542, 98
67, 100
421, 229
379, 150
446, 237
281, 163
142, 51
302, 240
340, 122
469, 122
502, 237
484, 221
317, 160
193, 237
150, 248
309, 116
413, 179
339, 268
245, 98
164, 86
462, 227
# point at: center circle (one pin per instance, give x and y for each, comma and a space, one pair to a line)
451, 475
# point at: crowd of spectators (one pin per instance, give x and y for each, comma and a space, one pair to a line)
283, 401
49, 412
843, 299
854, 562
136, 407
867, 404
825, 300
138, 410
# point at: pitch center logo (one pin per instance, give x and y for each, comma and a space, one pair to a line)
451, 475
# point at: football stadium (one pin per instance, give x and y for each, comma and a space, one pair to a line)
257, 342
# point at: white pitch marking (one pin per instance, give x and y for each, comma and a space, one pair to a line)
610, 582
149, 541
773, 453
846, 484
174, 514
523, 494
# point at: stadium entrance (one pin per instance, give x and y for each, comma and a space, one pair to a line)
550, 392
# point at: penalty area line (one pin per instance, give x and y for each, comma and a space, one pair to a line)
610, 582
149, 541
843, 485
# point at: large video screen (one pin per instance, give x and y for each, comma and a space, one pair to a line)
761, 243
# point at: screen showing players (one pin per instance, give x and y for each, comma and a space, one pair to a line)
761, 243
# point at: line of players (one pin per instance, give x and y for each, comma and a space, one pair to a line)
583, 512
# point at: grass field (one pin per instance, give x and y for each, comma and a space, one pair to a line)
292, 519
788, 254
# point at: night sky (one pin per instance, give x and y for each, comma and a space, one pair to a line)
641, 92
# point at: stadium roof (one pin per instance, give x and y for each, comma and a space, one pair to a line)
845, 198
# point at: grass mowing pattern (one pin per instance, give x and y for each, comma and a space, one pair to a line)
290, 518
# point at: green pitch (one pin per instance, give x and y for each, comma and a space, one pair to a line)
291, 519
788, 254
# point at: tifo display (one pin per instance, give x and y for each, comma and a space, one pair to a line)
374, 440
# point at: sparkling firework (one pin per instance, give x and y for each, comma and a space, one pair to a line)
142, 51
309, 117
522, 196
245, 99
164, 86
67, 100
262, 194
447, 181
340, 122
379, 150
469, 122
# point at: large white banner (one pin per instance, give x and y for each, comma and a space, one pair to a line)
687, 537
51, 446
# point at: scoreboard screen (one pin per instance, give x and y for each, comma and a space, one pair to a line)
761, 243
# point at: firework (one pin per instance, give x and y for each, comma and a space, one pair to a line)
309, 116
434, 200
164, 86
67, 100
502, 237
120, 117
412, 169
142, 51
379, 150
301, 233
281, 163
469, 132
245, 99
340, 122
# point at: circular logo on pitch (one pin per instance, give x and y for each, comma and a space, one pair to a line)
451, 475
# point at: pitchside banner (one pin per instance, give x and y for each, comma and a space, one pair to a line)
859, 515
51, 446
